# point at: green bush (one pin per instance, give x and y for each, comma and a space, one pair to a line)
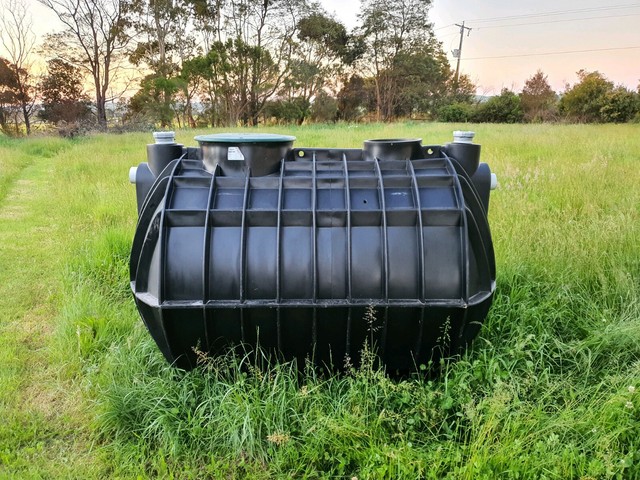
324, 108
595, 99
620, 106
505, 108
288, 111
456, 112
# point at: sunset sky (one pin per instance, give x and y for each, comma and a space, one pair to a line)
608, 36
539, 27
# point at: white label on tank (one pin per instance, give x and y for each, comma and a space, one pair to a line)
234, 153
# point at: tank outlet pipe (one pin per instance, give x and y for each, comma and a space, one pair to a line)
132, 174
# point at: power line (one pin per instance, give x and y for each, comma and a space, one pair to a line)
555, 53
556, 12
446, 26
447, 35
558, 21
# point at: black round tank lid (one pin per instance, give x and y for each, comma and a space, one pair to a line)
243, 138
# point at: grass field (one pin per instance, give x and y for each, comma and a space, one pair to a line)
550, 389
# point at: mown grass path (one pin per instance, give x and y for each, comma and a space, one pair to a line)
43, 432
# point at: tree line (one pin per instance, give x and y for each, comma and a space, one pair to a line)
226, 63
592, 99
197, 63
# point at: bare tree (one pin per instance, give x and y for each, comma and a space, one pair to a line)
95, 34
262, 32
18, 39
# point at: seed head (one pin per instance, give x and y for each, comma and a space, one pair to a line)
278, 438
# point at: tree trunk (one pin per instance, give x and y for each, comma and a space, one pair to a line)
378, 100
27, 119
101, 111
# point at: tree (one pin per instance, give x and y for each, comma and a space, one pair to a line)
420, 78
63, 98
94, 38
196, 79
318, 57
161, 27
458, 105
583, 101
261, 35
9, 94
253, 78
390, 28
238, 79
207, 19
462, 91
18, 39
209, 72
154, 100
538, 99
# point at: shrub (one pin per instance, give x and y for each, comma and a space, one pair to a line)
504, 108
620, 106
324, 108
455, 112
71, 129
595, 99
288, 111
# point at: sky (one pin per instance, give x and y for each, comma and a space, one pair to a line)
528, 41
538, 28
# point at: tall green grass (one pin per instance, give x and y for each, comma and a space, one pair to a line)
548, 390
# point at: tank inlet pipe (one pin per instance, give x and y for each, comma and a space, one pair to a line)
164, 137
461, 136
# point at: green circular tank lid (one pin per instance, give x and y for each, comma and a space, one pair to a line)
244, 138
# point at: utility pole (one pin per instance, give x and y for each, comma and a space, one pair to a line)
458, 53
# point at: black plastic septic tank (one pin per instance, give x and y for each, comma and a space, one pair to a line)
248, 240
